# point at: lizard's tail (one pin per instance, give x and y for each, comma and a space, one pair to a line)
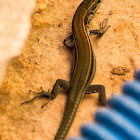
69, 114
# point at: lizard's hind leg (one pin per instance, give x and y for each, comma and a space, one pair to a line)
95, 89
51, 95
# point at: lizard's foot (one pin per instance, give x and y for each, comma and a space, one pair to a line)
69, 42
42, 94
103, 28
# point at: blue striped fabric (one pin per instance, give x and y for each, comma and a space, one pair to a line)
121, 120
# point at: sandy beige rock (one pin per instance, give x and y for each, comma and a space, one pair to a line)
44, 59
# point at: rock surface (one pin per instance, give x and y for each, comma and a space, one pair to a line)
44, 59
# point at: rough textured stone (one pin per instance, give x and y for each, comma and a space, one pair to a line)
44, 59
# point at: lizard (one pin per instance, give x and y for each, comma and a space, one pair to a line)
84, 68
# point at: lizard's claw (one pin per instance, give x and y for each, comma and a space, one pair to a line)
103, 26
46, 103
30, 100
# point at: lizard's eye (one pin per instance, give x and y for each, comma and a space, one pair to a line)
99, 1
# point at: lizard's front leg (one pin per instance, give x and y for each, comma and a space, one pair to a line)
69, 42
103, 28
